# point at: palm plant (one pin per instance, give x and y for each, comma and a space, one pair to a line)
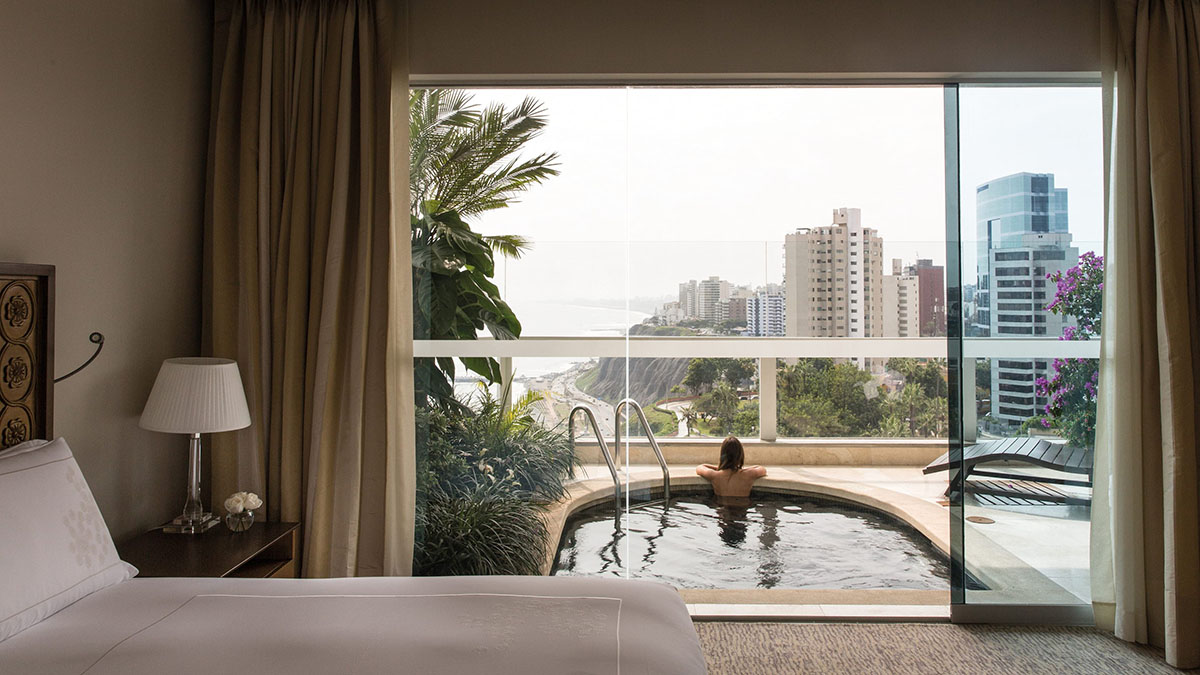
463, 162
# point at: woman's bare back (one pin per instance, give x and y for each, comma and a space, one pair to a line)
730, 483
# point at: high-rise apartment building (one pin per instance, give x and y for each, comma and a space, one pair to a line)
1022, 226
931, 305
834, 279
765, 315
711, 293
688, 297
901, 296
735, 309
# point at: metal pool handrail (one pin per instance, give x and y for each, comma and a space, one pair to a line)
608, 458
662, 462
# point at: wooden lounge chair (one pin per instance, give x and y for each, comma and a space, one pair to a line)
1018, 488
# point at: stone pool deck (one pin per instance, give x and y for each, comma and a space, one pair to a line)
1021, 557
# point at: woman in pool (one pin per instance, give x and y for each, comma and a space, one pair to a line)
730, 478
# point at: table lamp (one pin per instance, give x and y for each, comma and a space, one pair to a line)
195, 396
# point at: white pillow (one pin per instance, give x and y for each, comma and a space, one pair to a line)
54, 545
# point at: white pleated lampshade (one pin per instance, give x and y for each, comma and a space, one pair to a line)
196, 396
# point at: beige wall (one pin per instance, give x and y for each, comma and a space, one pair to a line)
103, 123
465, 39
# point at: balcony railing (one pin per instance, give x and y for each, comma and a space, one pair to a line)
766, 350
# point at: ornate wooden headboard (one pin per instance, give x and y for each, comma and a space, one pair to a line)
26, 352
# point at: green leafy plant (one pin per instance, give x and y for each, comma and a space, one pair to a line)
464, 162
453, 298
483, 483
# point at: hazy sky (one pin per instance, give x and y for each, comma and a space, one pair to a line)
661, 185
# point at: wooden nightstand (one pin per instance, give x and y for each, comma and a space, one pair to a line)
265, 550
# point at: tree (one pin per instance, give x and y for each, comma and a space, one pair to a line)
808, 415
929, 373
737, 372
1071, 389
463, 163
700, 376
911, 413
720, 405
730, 327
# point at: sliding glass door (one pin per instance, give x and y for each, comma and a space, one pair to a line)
1027, 321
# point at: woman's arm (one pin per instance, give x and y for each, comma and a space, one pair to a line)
758, 471
705, 470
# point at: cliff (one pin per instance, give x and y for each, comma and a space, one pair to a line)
649, 379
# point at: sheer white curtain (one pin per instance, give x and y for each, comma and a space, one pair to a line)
1146, 504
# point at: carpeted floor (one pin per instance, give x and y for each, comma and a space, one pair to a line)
734, 648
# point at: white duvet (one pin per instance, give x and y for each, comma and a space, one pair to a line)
494, 625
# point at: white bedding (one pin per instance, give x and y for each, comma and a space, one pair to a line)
492, 625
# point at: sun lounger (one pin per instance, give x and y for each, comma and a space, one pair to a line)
1025, 450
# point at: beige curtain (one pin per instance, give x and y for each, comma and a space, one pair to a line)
307, 280
1146, 506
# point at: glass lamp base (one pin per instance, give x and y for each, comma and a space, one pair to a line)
183, 525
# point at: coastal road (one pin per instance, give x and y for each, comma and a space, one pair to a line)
678, 407
561, 388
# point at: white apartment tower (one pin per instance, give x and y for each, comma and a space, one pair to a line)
711, 294
764, 315
834, 279
901, 295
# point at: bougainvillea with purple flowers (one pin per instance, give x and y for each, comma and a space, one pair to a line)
1071, 391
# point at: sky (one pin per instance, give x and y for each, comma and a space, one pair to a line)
662, 185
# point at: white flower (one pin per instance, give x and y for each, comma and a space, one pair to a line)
251, 501
236, 503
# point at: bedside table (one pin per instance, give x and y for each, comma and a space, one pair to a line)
265, 550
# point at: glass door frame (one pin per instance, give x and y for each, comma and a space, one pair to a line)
961, 397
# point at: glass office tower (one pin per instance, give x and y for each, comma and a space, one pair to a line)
1023, 238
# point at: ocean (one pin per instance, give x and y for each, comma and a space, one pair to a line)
560, 319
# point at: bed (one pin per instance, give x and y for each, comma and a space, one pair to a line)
364, 625
70, 605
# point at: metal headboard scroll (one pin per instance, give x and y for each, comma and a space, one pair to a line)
97, 339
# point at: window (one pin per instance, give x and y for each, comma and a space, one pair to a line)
1004, 256
663, 219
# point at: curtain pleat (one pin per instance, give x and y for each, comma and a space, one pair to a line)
1146, 508
307, 207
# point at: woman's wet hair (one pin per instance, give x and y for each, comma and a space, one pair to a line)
732, 455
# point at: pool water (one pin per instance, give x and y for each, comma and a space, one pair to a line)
771, 541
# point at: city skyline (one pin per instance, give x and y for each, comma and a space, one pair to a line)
661, 184
834, 286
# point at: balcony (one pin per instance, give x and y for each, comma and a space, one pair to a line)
1008, 542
